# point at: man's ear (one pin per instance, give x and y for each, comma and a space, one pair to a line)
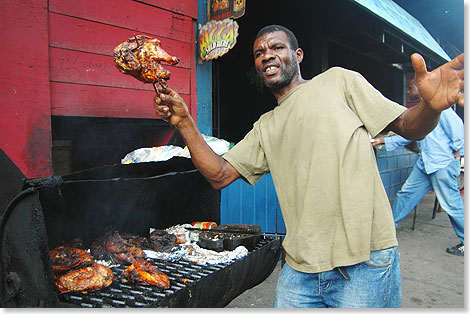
300, 54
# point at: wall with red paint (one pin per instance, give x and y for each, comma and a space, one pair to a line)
24, 85
57, 61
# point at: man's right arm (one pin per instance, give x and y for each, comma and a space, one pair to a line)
172, 108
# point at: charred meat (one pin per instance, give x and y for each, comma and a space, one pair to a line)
135, 240
93, 277
162, 241
140, 57
142, 272
111, 246
64, 259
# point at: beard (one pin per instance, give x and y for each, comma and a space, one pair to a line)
288, 72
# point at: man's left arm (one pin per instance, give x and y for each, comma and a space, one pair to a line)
439, 90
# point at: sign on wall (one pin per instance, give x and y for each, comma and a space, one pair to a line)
223, 9
216, 38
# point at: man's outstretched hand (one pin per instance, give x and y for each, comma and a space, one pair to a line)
442, 87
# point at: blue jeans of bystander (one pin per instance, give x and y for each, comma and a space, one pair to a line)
445, 185
374, 284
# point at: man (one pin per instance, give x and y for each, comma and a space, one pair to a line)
437, 167
340, 243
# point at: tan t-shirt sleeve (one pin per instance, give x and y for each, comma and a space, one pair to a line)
374, 110
248, 157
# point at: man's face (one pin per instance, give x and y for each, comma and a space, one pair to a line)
275, 62
413, 92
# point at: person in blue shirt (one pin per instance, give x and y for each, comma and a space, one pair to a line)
437, 167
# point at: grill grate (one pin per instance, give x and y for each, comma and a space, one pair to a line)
183, 275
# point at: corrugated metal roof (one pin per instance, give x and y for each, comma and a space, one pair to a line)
398, 17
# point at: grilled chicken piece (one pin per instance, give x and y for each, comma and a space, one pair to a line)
113, 247
93, 277
64, 259
141, 242
162, 241
142, 272
140, 56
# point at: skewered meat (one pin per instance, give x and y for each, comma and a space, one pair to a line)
162, 241
93, 277
142, 272
140, 56
111, 246
64, 259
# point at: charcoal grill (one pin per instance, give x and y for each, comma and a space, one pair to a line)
42, 213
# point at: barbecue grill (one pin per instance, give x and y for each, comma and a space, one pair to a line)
42, 213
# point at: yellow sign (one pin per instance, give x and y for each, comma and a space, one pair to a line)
216, 38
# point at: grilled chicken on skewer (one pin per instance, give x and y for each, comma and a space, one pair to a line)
141, 57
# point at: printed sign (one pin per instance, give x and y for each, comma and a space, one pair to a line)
216, 38
222, 9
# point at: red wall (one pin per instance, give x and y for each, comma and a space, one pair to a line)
57, 60
24, 85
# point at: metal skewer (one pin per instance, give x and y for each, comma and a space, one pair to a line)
156, 89
137, 41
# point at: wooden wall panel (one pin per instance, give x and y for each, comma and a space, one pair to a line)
97, 101
184, 7
244, 204
135, 16
92, 69
24, 80
88, 36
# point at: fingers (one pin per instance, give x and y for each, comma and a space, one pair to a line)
460, 100
168, 91
163, 111
457, 62
419, 66
157, 100
164, 97
169, 105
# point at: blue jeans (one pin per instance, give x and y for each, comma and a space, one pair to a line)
374, 284
445, 185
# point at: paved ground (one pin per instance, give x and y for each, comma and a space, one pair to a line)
431, 278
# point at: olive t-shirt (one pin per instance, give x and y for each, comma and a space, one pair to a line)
315, 143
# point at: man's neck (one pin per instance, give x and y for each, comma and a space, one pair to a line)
284, 90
